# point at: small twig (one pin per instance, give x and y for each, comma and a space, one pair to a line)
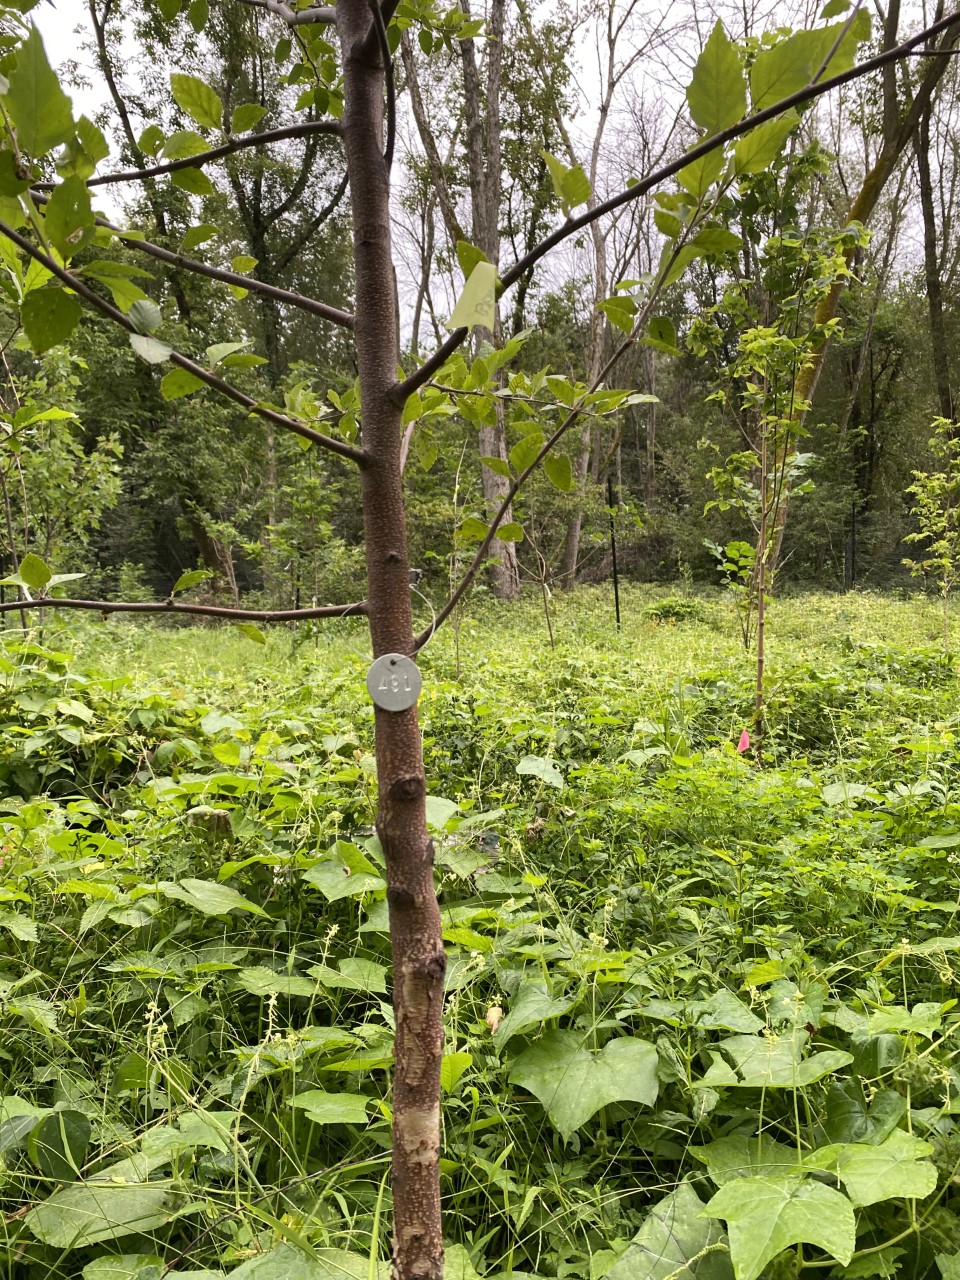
379, 30
303, 130
80, 287
401, 390
357, 609
251, 283
296, 17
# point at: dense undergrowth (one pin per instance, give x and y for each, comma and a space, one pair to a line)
678, 976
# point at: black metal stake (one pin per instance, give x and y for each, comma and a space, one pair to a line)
613, 548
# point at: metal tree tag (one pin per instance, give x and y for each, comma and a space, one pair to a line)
394, 682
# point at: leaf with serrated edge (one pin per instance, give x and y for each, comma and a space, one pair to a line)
717, 94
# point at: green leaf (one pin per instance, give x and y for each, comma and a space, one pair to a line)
559, 471
34, 572
38, 107
792, 63
84, 151
472, 529
675, 1242
662, 336
352, 975
183, 144
68, 217
193, 180
667, 224
265, 982
150, 349
525, 451
133, 1266
151, 140
197, 99
570, 183
540, 767
672, 271
530, 1007
191, 578
893, 1169
468, 255
220, 350
244, 262
620, 311
737, 1156
510, 532
246, 116
124, 292
86, 1213
198, 12
179, 382
501, 467
764, 1216
759, 149
477, 304
19, 925
289, 1263
573, 1084
452, 1068
196, 236
11, 183
208, 897
146, 316
773, 1062
699, 175
332, 1108
252, 632
58, 1145
200, 1128
345, 873
717, 94
717, 240
49, 317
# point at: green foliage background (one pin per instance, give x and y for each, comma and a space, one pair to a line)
668, 968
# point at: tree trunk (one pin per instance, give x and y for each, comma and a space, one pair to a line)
931, 269
418, 956
899, 127
216, 555
484, 161
650, 473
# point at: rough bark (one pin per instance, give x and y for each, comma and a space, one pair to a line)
484, 163
418, 955
899, 128
931, 269
216, 555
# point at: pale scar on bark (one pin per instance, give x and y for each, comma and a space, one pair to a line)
420, 1135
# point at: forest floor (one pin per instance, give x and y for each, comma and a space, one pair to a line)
672, 964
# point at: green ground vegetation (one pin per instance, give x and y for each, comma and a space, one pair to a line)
701, 1008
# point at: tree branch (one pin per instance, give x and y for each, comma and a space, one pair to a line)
571, 226
378, 34
313, 226
303, 130
251, 283
200, 610
80, 287
296, 17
